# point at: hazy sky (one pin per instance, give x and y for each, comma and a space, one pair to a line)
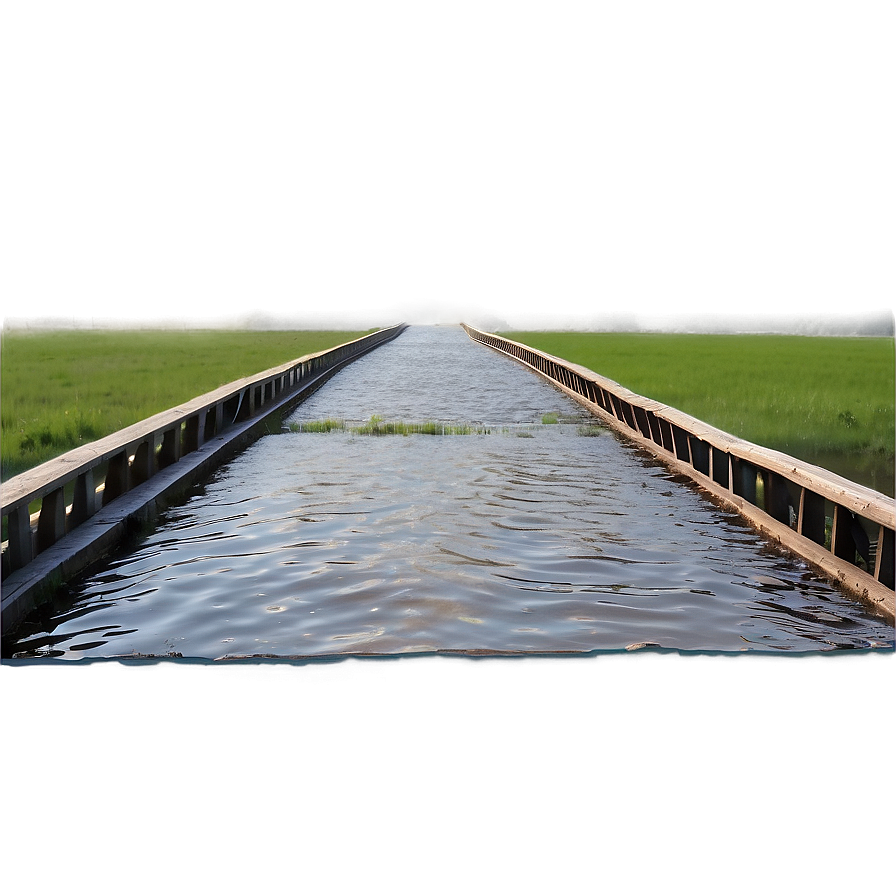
515, 162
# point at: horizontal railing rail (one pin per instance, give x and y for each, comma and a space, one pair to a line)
841, 527
94, 475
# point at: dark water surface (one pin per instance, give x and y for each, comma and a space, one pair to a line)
520, 536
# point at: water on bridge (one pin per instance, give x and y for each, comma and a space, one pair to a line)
507, 533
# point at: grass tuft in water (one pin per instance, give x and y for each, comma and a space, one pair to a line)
376, 426
549, 418
317, 425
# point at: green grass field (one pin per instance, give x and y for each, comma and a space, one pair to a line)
61, 389
826, 400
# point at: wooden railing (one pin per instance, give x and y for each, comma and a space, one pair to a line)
842, 528
94, 475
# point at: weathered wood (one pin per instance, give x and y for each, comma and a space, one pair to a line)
143, 464
859, 499
191, 433
32, 484
641, 418
744, 481
883, 561
21, 545
720, 467
811, 519
169, 452
778, 500
117, 480
699, 454
94, 530
51, 522
729, 468
680, 440
83, 500
842, 544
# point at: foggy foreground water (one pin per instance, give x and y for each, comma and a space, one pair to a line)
517, 536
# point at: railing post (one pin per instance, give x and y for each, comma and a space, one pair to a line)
744, 479
721, 467
810, 521
83, 500
681, 443
699, 454
191, 435
116, 477
654, 424
210, 423
643, 422
883, 561
51, 522
21, 541
666, 431
169, 452
842, 544
143, 463
777, 496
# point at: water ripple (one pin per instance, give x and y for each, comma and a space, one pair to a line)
321, 544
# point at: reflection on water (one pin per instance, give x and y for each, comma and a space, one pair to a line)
523, 537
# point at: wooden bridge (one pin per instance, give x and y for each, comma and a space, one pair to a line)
92, 498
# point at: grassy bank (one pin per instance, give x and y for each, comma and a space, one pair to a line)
826, 400
61, 389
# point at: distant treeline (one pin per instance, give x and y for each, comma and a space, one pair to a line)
821, 322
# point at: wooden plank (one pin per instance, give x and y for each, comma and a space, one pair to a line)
191, 433
811, 518
857, 498
21, 544
874, 594
83, 500
169, 452
31, 484
24, 586
883, 561
783, 478
682, 445
51, 522
842, 544
699, 454
778, 500
117, 480
720, 467
143, 465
